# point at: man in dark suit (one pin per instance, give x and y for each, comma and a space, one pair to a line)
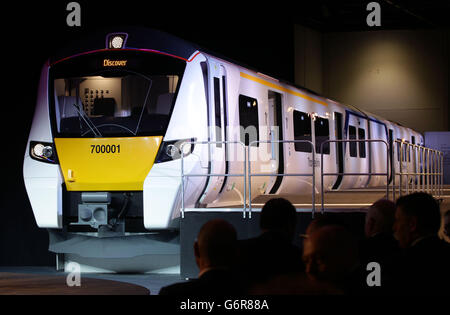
379, 244
423, 266
330, 254
447, 224
214, 252
272, 253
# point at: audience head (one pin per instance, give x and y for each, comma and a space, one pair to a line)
417, 215
215, 245
380, 218
319, 221
279, 215
330, 254
447, 223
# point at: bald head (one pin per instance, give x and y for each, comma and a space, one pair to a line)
215, 245
380, 217
319, 221
330, 253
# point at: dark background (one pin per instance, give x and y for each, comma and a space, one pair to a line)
259, 34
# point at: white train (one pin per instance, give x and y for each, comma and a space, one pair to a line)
113, 112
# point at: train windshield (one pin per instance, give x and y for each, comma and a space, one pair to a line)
114, 93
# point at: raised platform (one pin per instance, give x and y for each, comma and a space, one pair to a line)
354, 199
38, 284
33, 280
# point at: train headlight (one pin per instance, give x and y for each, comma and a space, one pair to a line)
116, 41
43, 151
171, 150
38, 149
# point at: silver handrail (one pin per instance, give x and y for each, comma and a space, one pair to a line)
250, 175
183, 176
322, 174
429, 179
429, 169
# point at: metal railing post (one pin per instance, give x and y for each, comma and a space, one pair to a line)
249, 176
182, 185
394, 175
422, 175
442, 174
401, 170
313, 180
322, 195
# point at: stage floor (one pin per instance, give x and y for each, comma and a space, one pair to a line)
46, 280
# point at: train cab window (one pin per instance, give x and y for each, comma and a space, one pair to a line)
362, 145
248, 119
118, 93
302, 131
322, 130
352, 136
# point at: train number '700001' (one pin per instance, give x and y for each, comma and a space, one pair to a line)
105, 148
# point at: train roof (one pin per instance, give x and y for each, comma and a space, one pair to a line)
142, 38
138, 37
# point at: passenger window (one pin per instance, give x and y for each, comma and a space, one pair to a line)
248, 119
322, 130
217, 110
302, 131
362, 145
352, 136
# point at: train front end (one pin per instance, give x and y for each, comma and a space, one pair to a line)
98, 131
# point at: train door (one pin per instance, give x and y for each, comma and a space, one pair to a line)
377, 154
363, 133
275, 129
354, 162
414, 159
391, 154
339, 148
217, 109
400, 158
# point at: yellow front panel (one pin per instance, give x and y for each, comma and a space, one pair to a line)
104, 164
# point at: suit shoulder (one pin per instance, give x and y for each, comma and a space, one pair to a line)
179, 288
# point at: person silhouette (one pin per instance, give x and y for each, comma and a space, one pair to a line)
447, 224
423, 265
330, 254
272, 252
214, 251
379, 243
